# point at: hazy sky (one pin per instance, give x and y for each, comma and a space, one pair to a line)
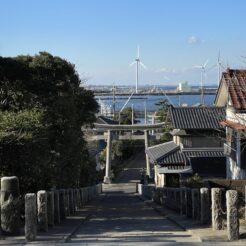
101, 36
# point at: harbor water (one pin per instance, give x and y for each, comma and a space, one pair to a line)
139, 101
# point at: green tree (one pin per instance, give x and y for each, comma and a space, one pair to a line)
162, 114
45, 90
125, 117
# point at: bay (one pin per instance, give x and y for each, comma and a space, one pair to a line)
139, 101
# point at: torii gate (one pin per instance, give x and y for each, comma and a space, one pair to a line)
110, 128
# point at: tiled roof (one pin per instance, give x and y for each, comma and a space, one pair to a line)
105, 120
182, 156
236, 84
197, 117
160, 150
234, 125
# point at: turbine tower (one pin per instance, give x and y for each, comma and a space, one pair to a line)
137, 62
219, 63
202, 67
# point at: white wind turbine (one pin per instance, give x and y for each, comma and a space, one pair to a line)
202, 67
137, 62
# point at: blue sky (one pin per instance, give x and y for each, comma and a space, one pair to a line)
101, 36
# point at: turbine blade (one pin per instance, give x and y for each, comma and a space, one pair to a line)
211, 67
197, 66
143, 65
219, 56
132, 63
138, 52
205, 64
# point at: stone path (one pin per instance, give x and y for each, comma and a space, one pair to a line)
121, 218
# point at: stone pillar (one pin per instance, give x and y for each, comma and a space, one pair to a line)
42, 211
62, 205
57, 218
217, 219
205, 206
71, 207
146, 141
30, 217
107, 177
86, 195
78, 198
188, 200
195, 204
67, 202
182, 201
10, 205
82, 196
74, 200
50, 207
232, 215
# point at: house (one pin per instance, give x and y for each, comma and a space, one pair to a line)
232, 95
197, 145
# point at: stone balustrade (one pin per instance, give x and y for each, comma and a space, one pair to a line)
42, 210
204, 205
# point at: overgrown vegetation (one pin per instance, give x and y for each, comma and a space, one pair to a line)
162, 116
194, 181
125, 117
42, 109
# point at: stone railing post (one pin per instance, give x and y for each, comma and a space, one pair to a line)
30, 217
67, 202
217, 219
75, 200
50, 207
42, 210
195, 204
82, 196
62, 204
188, 200
78, 198
182, 201
10, 205
57, 218
71, 202
232, 215
205, 206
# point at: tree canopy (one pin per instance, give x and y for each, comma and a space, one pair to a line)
42, 109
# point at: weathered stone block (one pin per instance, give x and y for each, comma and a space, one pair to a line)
50, 208
30, 217
217, 218
205, 205
182, 201
62, 203
67, 202
71, 202
232, 215
57, 218
10, 205
195, 204
42, 211
188, 200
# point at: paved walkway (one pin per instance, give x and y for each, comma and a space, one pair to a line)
121, 218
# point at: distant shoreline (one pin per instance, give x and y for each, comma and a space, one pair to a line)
169, 93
